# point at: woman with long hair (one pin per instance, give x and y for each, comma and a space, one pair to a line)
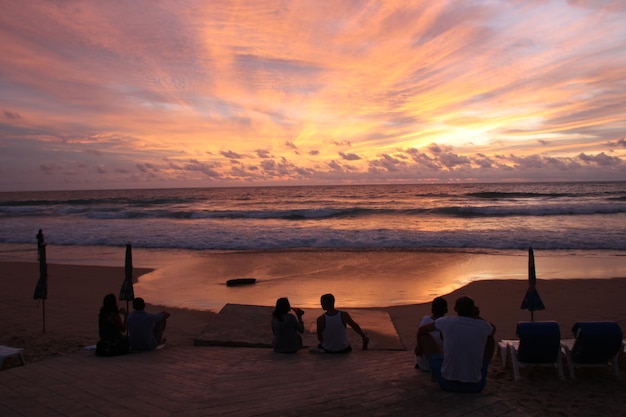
111, 328
287, 327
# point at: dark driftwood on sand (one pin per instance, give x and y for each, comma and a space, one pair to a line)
240, 281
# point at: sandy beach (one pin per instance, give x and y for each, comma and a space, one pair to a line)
77, 291
71, 311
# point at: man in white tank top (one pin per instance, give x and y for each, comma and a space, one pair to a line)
331, 328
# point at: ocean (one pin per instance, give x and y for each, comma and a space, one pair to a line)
577, 230
550, 216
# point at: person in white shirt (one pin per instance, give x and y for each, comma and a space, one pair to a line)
462, 366
331, 328
438, 308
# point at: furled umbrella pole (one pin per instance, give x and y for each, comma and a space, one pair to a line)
127, 293
532, 301
41, 289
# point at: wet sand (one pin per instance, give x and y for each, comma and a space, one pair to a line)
358, 278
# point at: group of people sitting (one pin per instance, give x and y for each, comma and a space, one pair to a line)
331, 328
145, 330
456, 350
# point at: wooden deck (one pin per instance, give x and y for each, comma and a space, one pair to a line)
212, 381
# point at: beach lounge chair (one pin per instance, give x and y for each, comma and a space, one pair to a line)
596, 344
538, 345
7, 352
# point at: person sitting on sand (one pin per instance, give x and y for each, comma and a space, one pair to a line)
286, 327
438, 308
331, 328
145, 330
111, 328
462, 366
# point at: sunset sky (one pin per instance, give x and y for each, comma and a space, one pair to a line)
196, 93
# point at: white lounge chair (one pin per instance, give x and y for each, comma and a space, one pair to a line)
596, 344
8, 352
538, 345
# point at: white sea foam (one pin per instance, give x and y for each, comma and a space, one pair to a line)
580, 216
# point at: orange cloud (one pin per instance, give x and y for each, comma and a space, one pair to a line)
206, 93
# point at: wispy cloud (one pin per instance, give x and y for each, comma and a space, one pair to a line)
103, 94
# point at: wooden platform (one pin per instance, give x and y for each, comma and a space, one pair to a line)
249, 326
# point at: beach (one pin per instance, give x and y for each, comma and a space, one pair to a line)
76, 291
75, 294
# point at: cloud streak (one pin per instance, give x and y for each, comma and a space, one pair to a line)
145, 94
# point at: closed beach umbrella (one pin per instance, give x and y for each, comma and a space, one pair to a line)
127, 292
41, 289
532, 302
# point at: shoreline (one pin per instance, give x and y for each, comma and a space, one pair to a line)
100, 255
358, 278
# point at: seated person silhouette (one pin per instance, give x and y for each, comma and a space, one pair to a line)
462, 365
145, 330
286, 327
331, 328
438, 308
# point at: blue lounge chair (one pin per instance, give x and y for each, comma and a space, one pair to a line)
538, 345
597, 343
